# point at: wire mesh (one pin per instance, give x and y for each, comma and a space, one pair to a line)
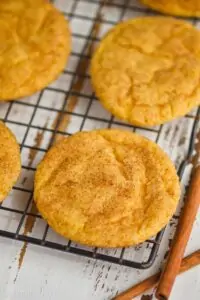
39, 119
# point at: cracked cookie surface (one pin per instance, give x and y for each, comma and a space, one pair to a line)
34, 46
147, 70
10, 163
106, 188
187, 8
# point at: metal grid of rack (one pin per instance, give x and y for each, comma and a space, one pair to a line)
37, 120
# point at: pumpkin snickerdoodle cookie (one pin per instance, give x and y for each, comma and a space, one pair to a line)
108, 188
147, 70
34, 46
187, 8
10, 163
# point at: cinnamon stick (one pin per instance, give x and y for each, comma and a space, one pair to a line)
181, 237
187, 263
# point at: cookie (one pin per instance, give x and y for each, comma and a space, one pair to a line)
147, 70
187, 8
35, 44
10, 163
106, 188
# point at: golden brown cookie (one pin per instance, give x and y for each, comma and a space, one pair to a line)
147, 70
187, 8
107, 188
34, 46
10, 163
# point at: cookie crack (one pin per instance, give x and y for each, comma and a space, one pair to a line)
154, 53
117, 158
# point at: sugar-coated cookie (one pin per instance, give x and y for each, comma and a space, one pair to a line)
147, 70
34, 46
107, 188
10, 163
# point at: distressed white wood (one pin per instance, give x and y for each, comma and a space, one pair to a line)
52, 275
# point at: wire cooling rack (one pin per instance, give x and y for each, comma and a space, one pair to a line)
69, 105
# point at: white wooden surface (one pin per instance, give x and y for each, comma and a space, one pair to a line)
46, 274
51, 275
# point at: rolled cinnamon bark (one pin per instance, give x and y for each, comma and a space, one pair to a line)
181, 237
187, 263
